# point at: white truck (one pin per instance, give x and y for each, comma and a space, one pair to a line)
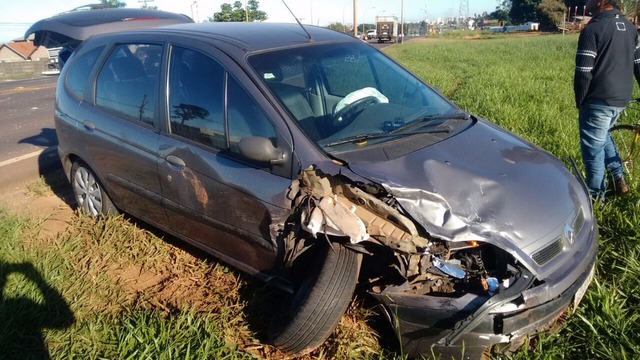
387, 28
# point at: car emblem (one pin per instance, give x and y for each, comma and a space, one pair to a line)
569, 234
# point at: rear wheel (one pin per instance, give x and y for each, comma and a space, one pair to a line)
322, 296
89, 193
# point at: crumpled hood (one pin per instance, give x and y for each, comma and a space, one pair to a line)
483, 184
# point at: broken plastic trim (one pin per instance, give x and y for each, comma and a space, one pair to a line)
367, 214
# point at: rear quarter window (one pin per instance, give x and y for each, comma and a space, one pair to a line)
79, 70
127, 83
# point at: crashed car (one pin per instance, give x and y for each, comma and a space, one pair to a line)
313, 161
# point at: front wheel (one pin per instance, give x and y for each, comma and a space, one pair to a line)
323, 294
89, 193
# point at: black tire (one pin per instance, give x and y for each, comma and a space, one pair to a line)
89, 194
322, 297
627, 139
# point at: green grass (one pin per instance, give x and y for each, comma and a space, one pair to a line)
112, 289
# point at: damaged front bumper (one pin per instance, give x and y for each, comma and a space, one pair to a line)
471, 324
441, 296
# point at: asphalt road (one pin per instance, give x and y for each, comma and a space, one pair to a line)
27, 138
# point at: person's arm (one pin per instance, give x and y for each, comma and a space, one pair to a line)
585, 60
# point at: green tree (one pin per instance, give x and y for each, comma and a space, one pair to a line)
523, 10
552, 13
500, 15
113, 3
236, 13
340, 27
254, 13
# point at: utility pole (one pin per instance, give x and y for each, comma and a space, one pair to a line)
194, 14
464, 10
355, 21
402, 20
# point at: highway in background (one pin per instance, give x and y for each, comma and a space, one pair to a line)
28, 138
26, 118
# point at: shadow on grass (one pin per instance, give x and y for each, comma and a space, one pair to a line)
23, 319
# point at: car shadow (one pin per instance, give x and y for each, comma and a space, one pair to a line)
49, 166
25, 319
51, 171
46, 138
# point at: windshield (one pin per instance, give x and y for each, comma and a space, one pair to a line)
341, 93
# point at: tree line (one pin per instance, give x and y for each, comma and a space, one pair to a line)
549, 13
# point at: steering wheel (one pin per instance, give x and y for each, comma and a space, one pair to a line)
347, 114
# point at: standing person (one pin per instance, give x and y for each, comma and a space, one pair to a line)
606, 61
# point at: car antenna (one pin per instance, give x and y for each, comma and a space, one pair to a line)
298, 21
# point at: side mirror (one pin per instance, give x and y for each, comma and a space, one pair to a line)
258, 148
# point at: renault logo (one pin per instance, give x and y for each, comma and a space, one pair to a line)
569, 234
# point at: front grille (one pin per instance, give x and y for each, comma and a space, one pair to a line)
546, 254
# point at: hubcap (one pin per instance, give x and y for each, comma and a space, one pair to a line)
88, 192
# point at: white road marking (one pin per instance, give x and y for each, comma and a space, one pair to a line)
24, 157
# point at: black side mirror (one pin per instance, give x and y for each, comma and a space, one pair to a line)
258, 148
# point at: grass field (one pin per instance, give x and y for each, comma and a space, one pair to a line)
113, 289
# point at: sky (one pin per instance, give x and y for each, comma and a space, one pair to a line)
17, 15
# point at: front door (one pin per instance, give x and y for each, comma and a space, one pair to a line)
214, 197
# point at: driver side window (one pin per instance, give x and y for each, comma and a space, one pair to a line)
197, 89
196, 98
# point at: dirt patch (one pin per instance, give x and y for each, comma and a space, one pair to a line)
183, 283
50, 210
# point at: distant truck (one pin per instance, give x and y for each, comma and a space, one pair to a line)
387, 28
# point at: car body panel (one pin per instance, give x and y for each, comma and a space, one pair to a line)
441, 197
222, 193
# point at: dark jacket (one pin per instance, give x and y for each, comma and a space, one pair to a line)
606, 60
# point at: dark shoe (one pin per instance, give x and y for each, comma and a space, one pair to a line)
620, 187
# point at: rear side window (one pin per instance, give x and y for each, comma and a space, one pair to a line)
79, 72
128, 81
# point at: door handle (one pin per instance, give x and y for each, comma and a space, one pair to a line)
176, 162
89, 125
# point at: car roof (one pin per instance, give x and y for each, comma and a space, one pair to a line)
74, 27
254, 36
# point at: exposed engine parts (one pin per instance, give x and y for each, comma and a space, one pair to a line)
326, 205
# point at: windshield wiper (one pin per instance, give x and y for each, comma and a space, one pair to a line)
459, 115
363, 138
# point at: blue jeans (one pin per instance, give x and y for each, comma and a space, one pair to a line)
599, 152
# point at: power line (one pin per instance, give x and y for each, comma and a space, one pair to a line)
464, 9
